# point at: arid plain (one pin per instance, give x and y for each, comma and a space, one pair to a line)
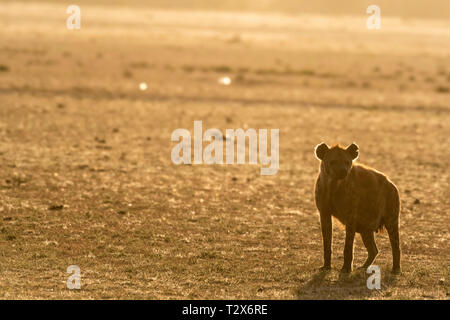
86, 176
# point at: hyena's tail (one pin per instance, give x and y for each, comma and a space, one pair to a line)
381, 227
389, 207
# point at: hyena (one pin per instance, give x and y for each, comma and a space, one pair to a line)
363, 199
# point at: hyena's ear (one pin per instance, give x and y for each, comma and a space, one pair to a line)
321, 150
353, 150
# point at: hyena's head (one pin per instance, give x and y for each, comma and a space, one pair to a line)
336, 161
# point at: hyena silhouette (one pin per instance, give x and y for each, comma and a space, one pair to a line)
361, 198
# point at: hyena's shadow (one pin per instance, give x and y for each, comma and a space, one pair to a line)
333, 284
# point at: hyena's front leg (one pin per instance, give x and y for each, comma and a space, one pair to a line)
350, 229
325, 223
348, 249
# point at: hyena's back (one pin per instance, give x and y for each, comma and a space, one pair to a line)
378, 197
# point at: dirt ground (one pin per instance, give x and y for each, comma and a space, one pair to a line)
86, 176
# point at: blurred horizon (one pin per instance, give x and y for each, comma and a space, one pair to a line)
433, 9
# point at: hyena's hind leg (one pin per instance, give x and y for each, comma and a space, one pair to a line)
392, 227
371, 246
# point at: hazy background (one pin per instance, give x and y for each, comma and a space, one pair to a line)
86, 176
439, 9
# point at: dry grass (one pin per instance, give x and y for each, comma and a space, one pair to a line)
86, 176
